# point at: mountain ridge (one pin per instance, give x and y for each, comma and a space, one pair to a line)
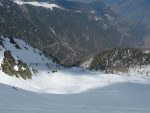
69, 35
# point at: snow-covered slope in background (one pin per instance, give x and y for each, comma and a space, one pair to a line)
64, 80
32, 56
87, 62
38, 4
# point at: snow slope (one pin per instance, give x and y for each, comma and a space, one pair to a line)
117, 98
86, 63
38, 4
65, 80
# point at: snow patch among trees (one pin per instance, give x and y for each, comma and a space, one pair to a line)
16, 68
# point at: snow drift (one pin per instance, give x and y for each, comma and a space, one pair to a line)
117, 98
68, 83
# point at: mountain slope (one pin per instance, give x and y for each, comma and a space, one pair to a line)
15, 51
118, 60
68, 33
134, 10
49, 77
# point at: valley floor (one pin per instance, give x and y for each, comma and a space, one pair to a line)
116, 98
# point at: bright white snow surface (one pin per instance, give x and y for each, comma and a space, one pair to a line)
16, 68
65, 81
38, 4
116, 98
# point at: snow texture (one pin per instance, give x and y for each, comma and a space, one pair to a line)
87, 63
70, 90
117, 98
38, 4
65, 80
16, 68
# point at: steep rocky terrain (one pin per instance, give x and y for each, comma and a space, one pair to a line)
68, 30
134, 10
20, 60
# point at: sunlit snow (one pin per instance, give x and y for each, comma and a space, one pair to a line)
38, 4
65, 80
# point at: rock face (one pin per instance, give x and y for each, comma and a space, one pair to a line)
134, 10
70, 34
120, 59
13, 67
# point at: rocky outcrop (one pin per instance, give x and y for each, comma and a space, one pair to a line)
13, 67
